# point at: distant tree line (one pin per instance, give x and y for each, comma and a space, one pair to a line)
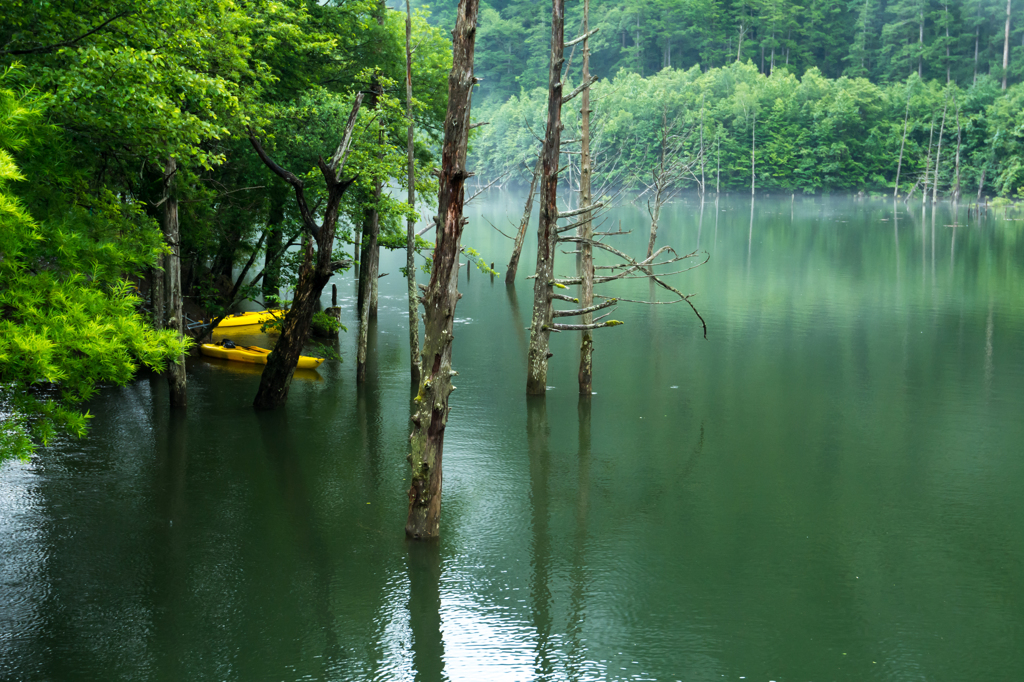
882, 40
809, 134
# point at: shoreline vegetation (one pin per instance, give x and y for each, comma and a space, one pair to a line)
810, 135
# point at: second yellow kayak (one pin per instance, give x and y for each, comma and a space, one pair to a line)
253, 355
245, 319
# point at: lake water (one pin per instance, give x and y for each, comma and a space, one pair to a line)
828, 488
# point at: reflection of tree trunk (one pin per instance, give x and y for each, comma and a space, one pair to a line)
425, 611
426, 443
171, 550
540, 581
540, 323
513, 301
176, 379
578, 578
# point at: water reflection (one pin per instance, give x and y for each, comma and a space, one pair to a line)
836, 471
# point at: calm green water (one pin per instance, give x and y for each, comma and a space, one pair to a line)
828, 488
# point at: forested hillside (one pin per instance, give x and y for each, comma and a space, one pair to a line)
824, 97
884, 41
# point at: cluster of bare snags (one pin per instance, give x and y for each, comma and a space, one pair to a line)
314, 274
550, 233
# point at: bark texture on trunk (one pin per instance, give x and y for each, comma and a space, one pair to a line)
368, 288
430, 411
547, 233
586, 229
317, 271
517, 249
176, 380
410, 226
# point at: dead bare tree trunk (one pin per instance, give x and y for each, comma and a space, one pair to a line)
1006, 44
586, 229
547, 230
276, 378
928, 164
903, 142
426, 442
176, 379
753, 146
956, 171
410, 231
938, 153
517, 249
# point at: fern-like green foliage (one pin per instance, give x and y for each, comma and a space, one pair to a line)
69, 321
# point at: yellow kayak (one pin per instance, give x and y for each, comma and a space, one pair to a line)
245, 319
252, 354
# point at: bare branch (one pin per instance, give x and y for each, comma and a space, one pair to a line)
68, 43
589, 309
341, 155
584, 327
580, 39
580, 88
578, 211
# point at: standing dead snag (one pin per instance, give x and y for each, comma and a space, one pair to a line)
172, 307
277, 376
513, 262
585, 375
410, 231
426, 443
540, 324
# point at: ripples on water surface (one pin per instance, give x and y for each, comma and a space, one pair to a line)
828, 488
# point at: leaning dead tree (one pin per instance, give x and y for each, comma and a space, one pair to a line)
317, 267
426, 443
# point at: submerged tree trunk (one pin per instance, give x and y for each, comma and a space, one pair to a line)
176, 380
547, 228
276, 378
367, 284
426, 442
586, 229
410, 226
513, 262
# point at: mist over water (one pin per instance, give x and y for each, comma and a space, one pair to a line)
827, 488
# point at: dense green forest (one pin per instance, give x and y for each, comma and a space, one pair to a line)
957, 41
821, 91
98, 100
